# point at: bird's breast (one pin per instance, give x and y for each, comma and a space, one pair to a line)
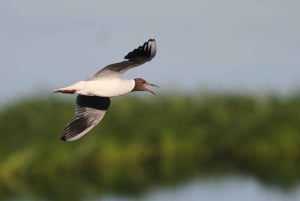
106, 87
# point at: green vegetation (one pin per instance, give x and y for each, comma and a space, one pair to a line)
142, 142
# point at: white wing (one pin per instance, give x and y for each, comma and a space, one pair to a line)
89, 112
138, 56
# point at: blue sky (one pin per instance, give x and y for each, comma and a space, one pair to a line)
221, 45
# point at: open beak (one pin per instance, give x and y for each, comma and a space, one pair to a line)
151, 85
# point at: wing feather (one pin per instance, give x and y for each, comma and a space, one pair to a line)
136, 57
89, 111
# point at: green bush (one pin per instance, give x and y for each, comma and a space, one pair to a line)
163, 132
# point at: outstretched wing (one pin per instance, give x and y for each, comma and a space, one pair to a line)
88, 113
138, 56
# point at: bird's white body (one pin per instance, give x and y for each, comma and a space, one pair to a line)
94, 94
102, 87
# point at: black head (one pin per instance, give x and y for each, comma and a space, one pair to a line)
141, 85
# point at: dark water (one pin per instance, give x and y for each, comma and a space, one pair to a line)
231, 188
211, 188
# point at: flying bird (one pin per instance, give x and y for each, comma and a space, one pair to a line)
94, 94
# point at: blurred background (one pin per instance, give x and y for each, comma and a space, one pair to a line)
224, 124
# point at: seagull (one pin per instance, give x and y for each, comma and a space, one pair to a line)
94, 94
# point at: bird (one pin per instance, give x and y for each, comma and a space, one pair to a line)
94, 94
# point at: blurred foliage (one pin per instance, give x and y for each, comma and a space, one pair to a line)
142, 142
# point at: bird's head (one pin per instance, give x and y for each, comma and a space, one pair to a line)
141, 85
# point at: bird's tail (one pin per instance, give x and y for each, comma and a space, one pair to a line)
65, 91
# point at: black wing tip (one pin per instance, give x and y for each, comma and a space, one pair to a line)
145, 51
63, 138
151, 40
